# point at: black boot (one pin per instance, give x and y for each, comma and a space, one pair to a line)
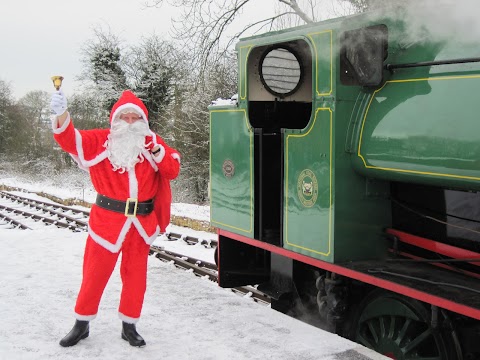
79, 331
129, 333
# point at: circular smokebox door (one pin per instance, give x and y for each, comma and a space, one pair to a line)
280, 71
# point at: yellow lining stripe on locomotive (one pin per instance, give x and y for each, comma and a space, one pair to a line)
327, 253
249, 129
405, 170
328, 32
243, 77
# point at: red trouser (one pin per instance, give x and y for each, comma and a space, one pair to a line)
98, 265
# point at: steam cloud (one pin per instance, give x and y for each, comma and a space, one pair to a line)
454, 20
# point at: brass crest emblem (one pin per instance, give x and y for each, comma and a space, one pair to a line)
228, 168
307, 188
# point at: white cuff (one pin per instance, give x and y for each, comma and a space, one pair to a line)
176, 156
158, 157
59, 130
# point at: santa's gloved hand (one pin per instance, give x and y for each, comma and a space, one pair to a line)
158, 151
149, 144
58, 104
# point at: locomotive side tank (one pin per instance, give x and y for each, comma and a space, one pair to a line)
344, 182
422, 124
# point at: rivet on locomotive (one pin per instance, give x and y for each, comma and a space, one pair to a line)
345, 182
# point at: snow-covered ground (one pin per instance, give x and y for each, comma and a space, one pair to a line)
184, 316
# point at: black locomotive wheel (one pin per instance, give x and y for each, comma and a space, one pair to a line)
400, 328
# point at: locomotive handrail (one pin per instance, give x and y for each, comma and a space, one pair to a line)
439, 283
431, 63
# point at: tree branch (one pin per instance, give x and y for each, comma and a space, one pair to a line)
294, 5
204, 25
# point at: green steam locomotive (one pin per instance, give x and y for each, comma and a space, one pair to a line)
345, 179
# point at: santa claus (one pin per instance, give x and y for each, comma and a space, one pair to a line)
130, 168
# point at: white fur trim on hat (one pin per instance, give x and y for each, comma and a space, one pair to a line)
129, 110
129, 106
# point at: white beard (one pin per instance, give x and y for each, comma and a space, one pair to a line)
125, 144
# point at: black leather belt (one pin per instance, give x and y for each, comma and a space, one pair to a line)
131, 207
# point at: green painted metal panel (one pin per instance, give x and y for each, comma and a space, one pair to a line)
414, 128
231, 171
323, 73
362, 206
243, 52
308, 218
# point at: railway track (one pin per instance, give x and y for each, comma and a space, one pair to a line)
191, 240
205, 269
62, 216
23, 213
43, 203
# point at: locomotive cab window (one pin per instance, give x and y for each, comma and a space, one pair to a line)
362, 54
280, 86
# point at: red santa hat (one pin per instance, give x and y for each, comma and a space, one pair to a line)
128, 102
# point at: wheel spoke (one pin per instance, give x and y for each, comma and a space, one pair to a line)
392, 327
398, 326
417, 341
403, 332
364, 342
382, 327
373, 331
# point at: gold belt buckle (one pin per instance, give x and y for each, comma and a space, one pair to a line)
127, 205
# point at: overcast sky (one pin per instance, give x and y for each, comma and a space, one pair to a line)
41, 38
44, 38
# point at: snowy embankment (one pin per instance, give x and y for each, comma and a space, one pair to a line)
184, 316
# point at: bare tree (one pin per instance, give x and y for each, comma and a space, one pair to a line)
103, 66
7, 125
191, 127
36, 104
87, 111
151, 68
364, 5
35, 107
205, 25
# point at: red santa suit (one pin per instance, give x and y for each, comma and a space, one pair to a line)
111, 232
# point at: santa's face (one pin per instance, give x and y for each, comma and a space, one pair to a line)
130, 118
126, 141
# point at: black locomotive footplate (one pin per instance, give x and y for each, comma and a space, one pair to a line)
425, 282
